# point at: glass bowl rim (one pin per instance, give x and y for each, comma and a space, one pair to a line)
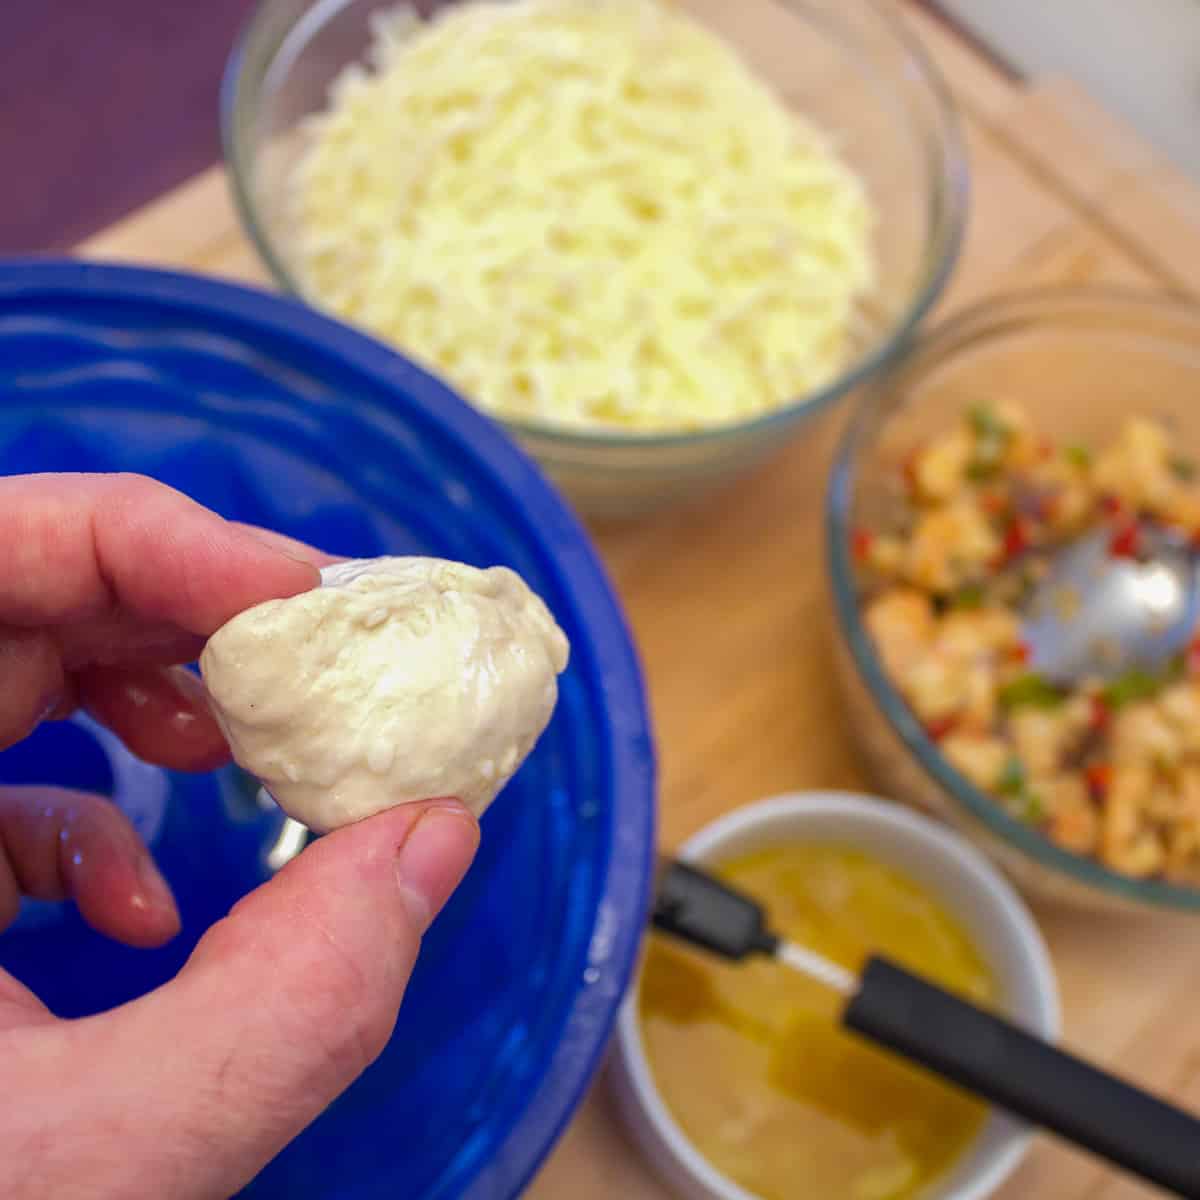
974, 323
948, 203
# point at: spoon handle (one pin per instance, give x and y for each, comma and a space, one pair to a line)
1028, 1077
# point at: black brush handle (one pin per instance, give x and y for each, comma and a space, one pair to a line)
1028, 1077
695, 906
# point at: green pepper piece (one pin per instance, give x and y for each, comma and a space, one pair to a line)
1134, 684
980, 470
1029, 691
987, 426
1013, 785
970, 596
1079, 456
1012, 777
1033, 810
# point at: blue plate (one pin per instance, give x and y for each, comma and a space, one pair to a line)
271, 413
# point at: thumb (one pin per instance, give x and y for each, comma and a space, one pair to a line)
286, 1001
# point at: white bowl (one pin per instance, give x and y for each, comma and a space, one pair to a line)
996, 919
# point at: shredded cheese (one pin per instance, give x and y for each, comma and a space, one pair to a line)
587, 213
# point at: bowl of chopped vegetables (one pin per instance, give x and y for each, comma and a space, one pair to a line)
652, 238
1012, 432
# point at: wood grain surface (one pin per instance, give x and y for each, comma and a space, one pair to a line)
728, 602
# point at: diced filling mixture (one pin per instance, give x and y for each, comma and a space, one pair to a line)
1109, 768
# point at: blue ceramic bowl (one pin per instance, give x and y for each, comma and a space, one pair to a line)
271, 413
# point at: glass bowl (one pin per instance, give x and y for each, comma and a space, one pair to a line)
846, 64
1079, 360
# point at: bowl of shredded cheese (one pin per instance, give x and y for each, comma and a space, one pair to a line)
650, 238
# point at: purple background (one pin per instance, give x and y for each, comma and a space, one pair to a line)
103, 105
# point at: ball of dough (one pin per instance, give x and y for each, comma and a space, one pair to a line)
399, 679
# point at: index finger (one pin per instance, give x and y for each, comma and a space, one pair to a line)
78, 546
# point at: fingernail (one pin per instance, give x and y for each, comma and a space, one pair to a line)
277, 545
154, 892
187, 685
434, 858
297, 558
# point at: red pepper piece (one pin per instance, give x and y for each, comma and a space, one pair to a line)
939, 728
1016, 539
1193, 657
1099, 779
1100, 714
994, 503
861, 541
1125, 542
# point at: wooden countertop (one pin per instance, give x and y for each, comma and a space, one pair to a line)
1061, 192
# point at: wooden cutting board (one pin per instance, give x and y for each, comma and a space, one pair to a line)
732, 620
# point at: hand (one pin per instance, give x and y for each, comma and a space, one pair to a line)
107, 583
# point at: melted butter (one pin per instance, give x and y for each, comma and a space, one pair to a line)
751, 1062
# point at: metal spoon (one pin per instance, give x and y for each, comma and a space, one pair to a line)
289, 841
1096, 616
